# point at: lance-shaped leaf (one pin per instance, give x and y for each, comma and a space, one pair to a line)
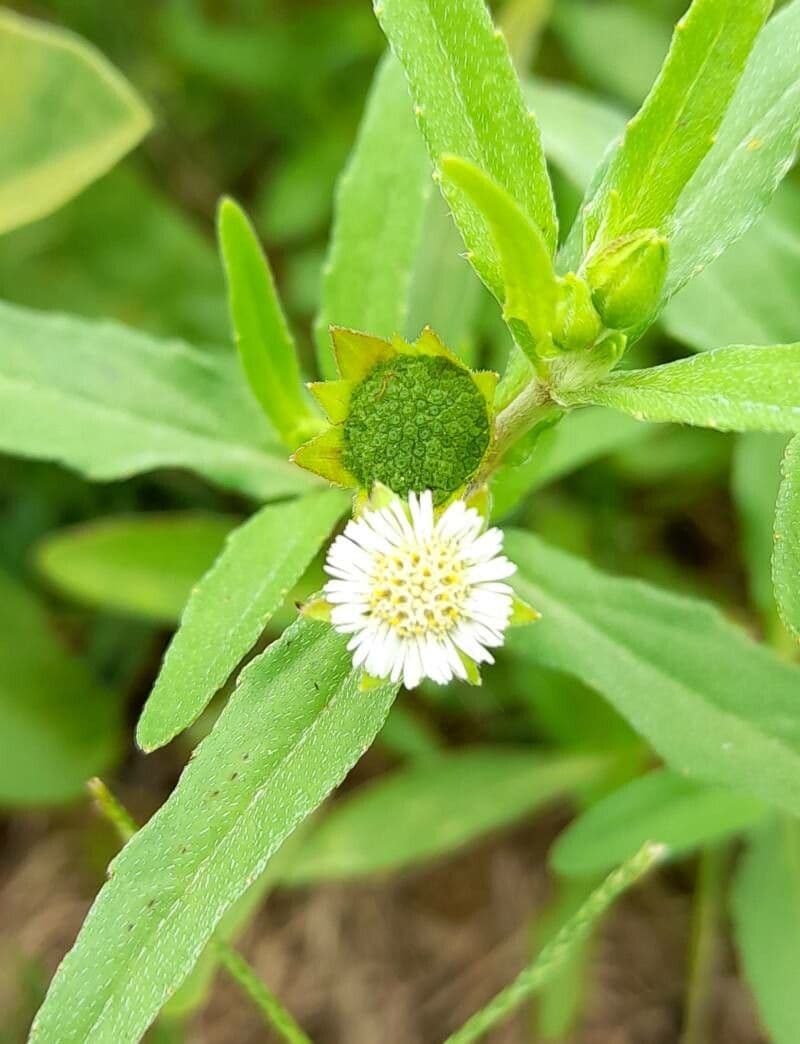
145, 565
58, 725
755, 147
456, 798
68, 116
786, 554
380, 206
266, 347
110, 403
292, 730
749, 295
766, 917
735, 389
673, 131
713, 704
530, 291
661, 806
229, 608
469, 103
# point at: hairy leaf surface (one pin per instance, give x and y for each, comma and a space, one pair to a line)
786, 555
111, 403
380, 206
469, 103
713, 704
227, 611
292, 730
735, 389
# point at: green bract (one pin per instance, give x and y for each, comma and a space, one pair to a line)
407, 416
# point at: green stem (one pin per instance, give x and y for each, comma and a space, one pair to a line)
557, 952
274, 1013
704, 945
529, 408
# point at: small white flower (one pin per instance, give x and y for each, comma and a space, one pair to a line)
419, 594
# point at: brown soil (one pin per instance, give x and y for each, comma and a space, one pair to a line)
399, 961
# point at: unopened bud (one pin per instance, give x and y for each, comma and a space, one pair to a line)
627, 278
577, 324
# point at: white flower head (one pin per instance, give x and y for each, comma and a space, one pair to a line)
422, 595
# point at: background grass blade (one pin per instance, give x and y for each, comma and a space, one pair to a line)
58, 724
786, 554
558, 951
142, 565
456, 798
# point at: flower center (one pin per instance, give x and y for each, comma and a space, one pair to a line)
416, 423
419, 589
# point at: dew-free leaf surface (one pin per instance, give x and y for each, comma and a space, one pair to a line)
380, 205
766, 918
649, 653
469, 103
58, 724
295, 725
432, 808
111, 403
66, 117
143, 565
660, 806
741, 388
229, 608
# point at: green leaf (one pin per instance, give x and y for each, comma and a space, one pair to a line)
579, 439
786, 555
445, 293
666, 141
157, 266
753, 150
227, 611
649, 653
433, 807
555, 954
734, 389
68, 116
576, 126
266, 347
111, 403
766, 916
380, 205
592, 30
749, 295
292, 730
756, 478
145, 565
58, 725
530, 291
469, 103
663, 807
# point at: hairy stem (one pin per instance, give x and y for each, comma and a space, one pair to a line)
705, 945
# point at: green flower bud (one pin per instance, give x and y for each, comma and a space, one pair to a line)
577, 324
627, 277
